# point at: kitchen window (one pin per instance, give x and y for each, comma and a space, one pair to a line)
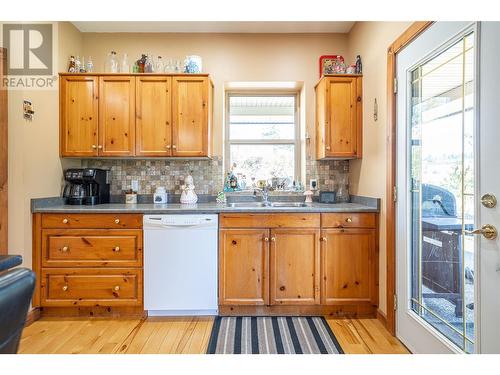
263, 138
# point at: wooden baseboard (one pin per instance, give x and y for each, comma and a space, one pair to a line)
94, 311
334, 311
33, 316
382, 317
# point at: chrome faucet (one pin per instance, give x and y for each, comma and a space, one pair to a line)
265, 194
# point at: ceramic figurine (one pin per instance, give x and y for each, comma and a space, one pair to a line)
309, 194
188, 195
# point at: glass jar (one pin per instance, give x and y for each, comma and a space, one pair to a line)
159, 65
148, 66
343, 190
125, 66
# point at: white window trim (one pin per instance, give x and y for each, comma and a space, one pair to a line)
296, 141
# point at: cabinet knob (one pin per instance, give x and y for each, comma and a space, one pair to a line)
99, 147
328, 148
168, 147
348, 220
174, 147
116, 288
117, 221
266, 239
273, 239
65, 288
94, 147
116, 249
323, 239
65, 221
65, 248
282, 288
359, 98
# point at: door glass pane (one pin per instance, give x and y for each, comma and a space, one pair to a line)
442, 192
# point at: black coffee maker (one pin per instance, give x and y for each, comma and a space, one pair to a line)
86, 186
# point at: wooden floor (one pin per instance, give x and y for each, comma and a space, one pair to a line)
188, 335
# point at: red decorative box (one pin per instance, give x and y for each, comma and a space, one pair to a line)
327, 62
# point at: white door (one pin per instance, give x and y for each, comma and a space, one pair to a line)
446, 276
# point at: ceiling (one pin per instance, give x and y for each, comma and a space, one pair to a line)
213, 27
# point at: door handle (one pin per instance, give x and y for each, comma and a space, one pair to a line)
487, 230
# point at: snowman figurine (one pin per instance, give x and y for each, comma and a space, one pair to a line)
188, 195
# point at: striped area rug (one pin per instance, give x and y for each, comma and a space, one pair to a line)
272, 335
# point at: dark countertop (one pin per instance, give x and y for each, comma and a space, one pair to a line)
56, 205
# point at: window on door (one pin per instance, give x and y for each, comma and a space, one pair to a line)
262, 138
441, 122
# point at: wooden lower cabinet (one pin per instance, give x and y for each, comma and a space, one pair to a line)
348, 266
243, 270
269, 265
88, 263
294, 267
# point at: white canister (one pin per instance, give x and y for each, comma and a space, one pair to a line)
160, 196
131, 198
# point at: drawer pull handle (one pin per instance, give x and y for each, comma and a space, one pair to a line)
116, 249
266, 239
117, 221
65, 288
116, 288
65, 221
65, 249
348, 220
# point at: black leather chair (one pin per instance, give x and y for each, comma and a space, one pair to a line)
16, 289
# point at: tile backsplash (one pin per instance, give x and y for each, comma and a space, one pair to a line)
207, 173
170, 173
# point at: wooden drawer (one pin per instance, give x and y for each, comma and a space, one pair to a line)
91, 247
99, 221
291, 220
346, 220
91, 287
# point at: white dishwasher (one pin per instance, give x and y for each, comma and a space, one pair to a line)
180, 264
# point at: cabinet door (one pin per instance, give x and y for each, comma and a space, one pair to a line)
78, 112
294, 267
116, 116
190, 113
243, 267
153, 116
348, 266
341, 126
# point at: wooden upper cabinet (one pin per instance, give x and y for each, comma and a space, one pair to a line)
339, 117
153, 116
116, 116
78, 105
243, 267
348, 262
191, 116
294, 267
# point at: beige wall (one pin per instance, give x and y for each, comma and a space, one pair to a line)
35, 169
367, 176
229, 58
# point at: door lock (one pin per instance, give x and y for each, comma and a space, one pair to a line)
488, 200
